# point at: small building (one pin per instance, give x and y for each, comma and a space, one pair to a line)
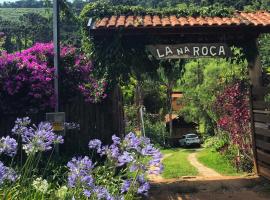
180, 126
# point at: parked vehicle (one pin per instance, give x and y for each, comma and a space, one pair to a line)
190, 139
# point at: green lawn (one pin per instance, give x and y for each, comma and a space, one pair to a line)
13, 14
177, 165
217, 162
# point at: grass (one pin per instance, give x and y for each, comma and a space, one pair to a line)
216, 161
177, 165
13, 14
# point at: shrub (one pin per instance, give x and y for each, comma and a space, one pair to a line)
217, 142
26, 78
233, 108
156, 130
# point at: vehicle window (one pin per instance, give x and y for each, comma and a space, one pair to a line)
192, 136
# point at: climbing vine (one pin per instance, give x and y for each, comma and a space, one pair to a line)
113, 50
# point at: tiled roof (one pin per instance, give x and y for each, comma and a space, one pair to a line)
167, 117
260, 18
177, 95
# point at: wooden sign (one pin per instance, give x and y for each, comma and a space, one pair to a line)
190, 50
57, 120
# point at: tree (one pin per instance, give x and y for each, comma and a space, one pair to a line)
201, 82
168, 74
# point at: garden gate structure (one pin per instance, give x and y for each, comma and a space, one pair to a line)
240, 30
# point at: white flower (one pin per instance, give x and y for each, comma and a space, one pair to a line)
61, 192
41, 185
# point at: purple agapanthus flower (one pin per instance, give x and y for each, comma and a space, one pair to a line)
144, 186
80, 170
132, 142
40, 138
125, 186
125, 158
21, 125
102, 193
94, 144
116, 140
130, 154
8, 146
113, 152
143, 189
87, 193
149, 150
6, 174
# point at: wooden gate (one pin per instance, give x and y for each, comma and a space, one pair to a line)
261, 126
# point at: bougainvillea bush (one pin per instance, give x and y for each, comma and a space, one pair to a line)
26, 78
232, 105
117, 172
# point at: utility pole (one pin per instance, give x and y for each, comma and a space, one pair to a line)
56, 45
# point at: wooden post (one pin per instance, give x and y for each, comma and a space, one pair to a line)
255, 74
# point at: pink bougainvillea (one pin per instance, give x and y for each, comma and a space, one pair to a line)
26, 78
233, 107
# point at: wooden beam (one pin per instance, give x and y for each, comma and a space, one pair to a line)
255, 74
264, 171
262, 156
263, 145
254, 63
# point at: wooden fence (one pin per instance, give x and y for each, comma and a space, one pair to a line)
96, 121
261, 129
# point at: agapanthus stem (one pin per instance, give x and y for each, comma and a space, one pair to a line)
44, 171
127, 196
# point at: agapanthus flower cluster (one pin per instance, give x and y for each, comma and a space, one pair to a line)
36, 138
80, 175
26, 78
7, 174
130, 153
127, 151
8, 146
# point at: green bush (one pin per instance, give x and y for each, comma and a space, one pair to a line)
155, 129
131, 112
221, 143
217, 142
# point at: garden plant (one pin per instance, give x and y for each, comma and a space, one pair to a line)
116, 171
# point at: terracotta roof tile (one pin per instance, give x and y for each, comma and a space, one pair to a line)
156, 21
147, 20
174, 21
192, 21
183, 21
129, 21
112, 21
165, 21
260, 18
121, 21
202, 21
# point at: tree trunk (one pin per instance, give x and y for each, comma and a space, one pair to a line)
169, 93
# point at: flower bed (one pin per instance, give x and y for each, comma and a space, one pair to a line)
118, 171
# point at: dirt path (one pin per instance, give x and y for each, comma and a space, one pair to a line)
229, 188
209, 185
203, 170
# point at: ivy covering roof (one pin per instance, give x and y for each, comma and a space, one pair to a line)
253, 19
